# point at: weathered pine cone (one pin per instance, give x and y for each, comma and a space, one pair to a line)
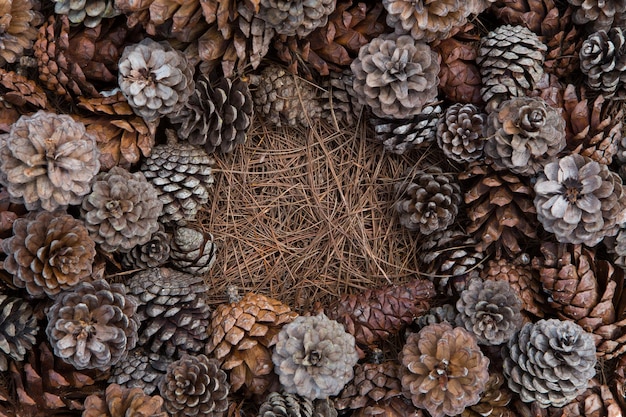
195, 386
314, 357
122, 211
340, 106
19, 29
48, 161
580, 200
550, 362
443, 369
88, 12
18, 328
121, 402
439, 314
603, 60
295, 17
93, 325
599, 14
396, 76
193, 251
461, 132
140, 369
372, 383
286, 405
524, 134
156, 79
490, 310
154, 253
49, 253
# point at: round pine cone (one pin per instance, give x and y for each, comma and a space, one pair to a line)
295, 17
193, 251
395, 76
122, 211
140, 369
48, 161
154, 253
123, 402
88, 12
599, 14
49, 253
429, 202
314, 357
443, 369
155, 78
603, 60
524, 134
195, 386
18, 328
550, 362
461, 132
286, 405
491, 310
580, 200
93, 325
18, 29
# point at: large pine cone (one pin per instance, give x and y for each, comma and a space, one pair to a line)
524, 134
295, 17
443, 369
193, 251
140, 369
121, 402
314, 357
154, 253
89, 12
372, 383
122, 211
18, 328
550, 362
396, 76
599, 14
155, 79
93, 325
48, 161
580, 200
19, 29
49, 253
286, 405
603, 60
461, 132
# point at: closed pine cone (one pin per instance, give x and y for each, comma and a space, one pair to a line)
154, 253
599, 14
286, 405
339, 103
295, 17
460, 132
123, 402
140, 369
19, 29
18, 328
603, 60
372, 383
193, 251
89, 12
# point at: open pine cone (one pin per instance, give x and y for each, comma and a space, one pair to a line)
295, 17
603, 60
18, 29
89, 12
18, 328
140, 369
286, 405
461, 132
599, 14
122, 402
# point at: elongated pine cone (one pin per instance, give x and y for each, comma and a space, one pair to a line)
461, 132
156, 79
314, 357
49, 253
89, 12
19, 29
599, 14
550, 362
195, 386
396, 76
603, 60
122, 211
140, 369
118, 401
193, 251
48, 161
154, 253
524, 134
372, 383
295, 17
286, 405
18, 328
443, 369
580, 200
93, 325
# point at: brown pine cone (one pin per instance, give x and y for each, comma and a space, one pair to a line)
120, 402
459, 76
154, 253
493, 401
597, 400
461, 132
602, 60
393, 407
295, 17
598, 14
286, 405
140, 369
20, 92
192, 251
18, 328
19, 28
340, 107
372, 383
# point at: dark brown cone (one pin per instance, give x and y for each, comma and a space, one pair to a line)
374, 315
372, 383
618, 384
192, 251
21, 92
120, 402
596, 401
140, 369
493, 401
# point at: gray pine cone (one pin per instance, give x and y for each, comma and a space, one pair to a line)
140, 369
154, 253
461, 132
88, 12
18, 328
295, 17
286, 405
339, 103
193, 251
603, 60
439, 314
599, 14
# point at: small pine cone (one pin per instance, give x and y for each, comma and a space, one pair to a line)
372, 383
493, 401
393, 407
181, 174
48, 161
140, 369
155, 78
216, 116
120, 402
93, 325
286, 405
413, 85
549, 362
242, 335
401, 135
283, 99
429, 201
444, 313
490, 310
18, 328
374, 315
443, 369
580, 200
172, 310
597, 400
602, 61
89, 12
510, 59
314, 357
20, 92
49, 253
193, 251
339, 104
524, 134
154, 253
288, 17
461, 132
617, 246
195, 386
459, 76
19, 29
122, 211
599, 14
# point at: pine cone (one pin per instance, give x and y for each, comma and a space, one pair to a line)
603, 61
372, 383
580, 200
193, 251
429, 201
340, 106
511, 60
550, 362
396, 76
155, 79
122, 211
20, 92
599, 14
172, 310
597, 400
19, 29
48, 161
120, 402
295, 17
49, 253
286, 405
617, 246
93, 325
461, 132
154, 253
394, 407
140, 369
90, 12
401, 135
444, 313
524, 134
443, 370
493, 401
314, 357
374, 315
490, 310
18, 328
195, 386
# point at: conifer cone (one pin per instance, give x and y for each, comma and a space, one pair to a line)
393, 407
119, 402
20, 92
192, 251
439, 314
372, 383
618, 385
374, 315
603, 60
459, 76
295, 17
18, 328
598, 14
154, 253
340, 106
140, 369
286, 405
19, 28
460, 132
242, 334
90, 12
597, 400
493, 401
500, 209
172, 310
